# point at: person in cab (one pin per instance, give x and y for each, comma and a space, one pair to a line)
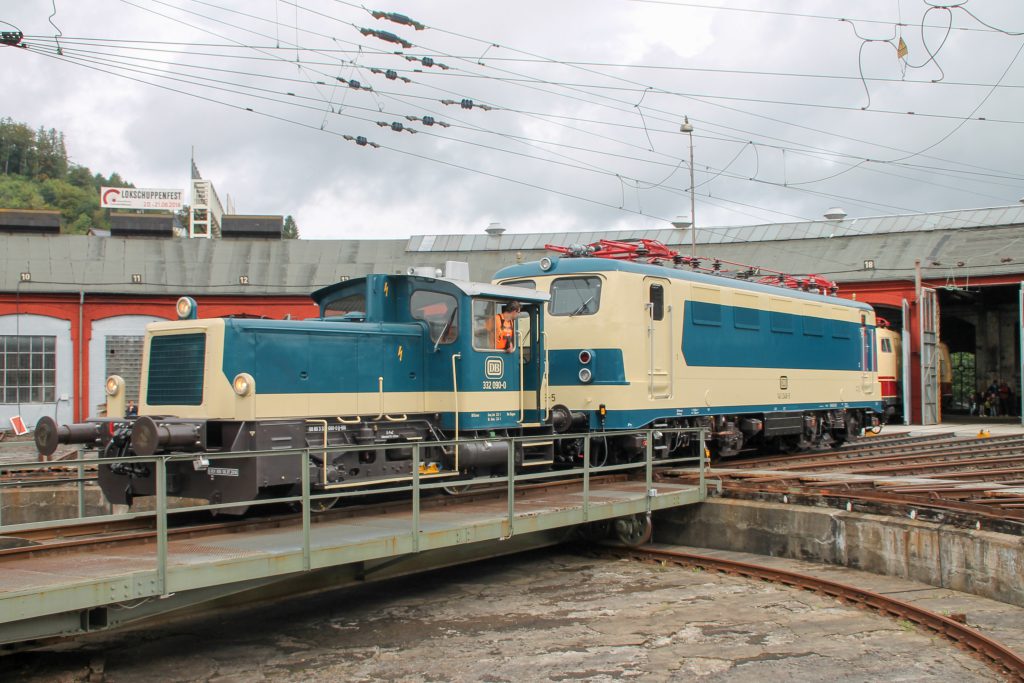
505, 327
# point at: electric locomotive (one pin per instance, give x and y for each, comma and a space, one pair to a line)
636, 344
391, 360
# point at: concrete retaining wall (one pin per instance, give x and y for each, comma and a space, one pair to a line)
39, 504
978, 562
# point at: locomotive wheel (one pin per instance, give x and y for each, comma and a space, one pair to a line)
455, 490
634, 531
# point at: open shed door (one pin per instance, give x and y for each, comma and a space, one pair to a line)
928, 311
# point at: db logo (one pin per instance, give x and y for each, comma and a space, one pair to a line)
494, 367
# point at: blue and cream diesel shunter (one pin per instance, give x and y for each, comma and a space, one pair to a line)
391, 359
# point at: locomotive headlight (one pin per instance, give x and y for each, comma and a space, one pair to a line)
586, 355
586, 375
243, 384
545, 264
186, 308
114, 385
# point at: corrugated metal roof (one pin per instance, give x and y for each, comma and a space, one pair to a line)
64, 263
946, 220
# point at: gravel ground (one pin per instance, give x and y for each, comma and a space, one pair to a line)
542, 616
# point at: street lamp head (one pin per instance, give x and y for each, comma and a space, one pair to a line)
682, 222
835, 214
686, 127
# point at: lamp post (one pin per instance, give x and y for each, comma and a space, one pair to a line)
687, 128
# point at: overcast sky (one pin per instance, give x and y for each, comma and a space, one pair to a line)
794, 110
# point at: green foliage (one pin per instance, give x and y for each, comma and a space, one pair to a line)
290, 230
20, 193
35, 174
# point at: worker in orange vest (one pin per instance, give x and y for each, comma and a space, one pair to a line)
505, 327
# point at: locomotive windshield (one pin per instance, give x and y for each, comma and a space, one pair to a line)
439, 311
575, 296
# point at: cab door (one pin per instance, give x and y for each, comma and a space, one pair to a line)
490, 370
530, 336
658, 316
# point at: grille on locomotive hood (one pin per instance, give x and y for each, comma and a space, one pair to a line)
176, 368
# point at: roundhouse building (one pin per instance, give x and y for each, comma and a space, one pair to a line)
73, 309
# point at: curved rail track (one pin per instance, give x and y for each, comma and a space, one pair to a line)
995, 653
967, 481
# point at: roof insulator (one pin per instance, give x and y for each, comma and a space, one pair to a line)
386, 35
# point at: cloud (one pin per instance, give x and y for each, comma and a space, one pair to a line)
585, 105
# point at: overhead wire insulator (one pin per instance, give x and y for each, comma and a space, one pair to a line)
428, 62
468, 104
361, 141
398, 19
397, 126
390, 74
386, 35
12, 38
429, 121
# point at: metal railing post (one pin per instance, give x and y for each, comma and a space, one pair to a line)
81, 484
161, 525
415, 498
511, 487
648, 468
307, 562
586, 478
703, 482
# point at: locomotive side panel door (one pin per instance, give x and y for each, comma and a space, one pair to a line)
659, 352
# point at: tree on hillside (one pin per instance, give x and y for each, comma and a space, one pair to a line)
35, 174
290, 231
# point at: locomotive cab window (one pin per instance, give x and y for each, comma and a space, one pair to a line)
574, 296
657, 301
524, 284
346, 305
439, 311
498, 326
